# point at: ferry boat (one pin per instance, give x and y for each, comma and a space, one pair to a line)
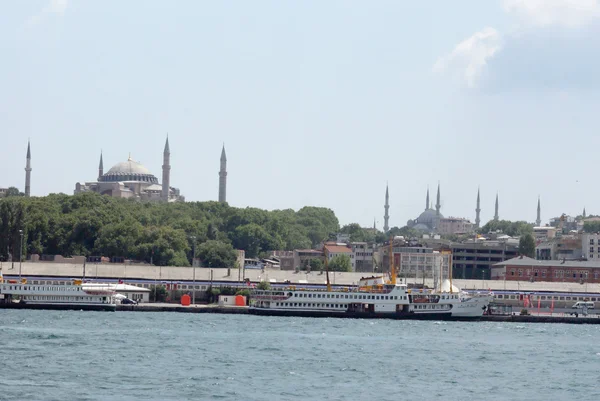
373, 298
21, 295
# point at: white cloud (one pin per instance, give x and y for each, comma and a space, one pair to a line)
556, 37
469, 58
53, 7
567, 13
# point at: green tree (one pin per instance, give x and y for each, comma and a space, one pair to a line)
527, 245
216, 254
512, 228
316, 265
591, 226
264, 285
13, 191
340, 263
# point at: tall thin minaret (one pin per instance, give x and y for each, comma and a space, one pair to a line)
538, 221
223, 177
100, 167
166, 178
28, 171
496, 218
386, 216
427, 205
438, 205
478, 211
584, 215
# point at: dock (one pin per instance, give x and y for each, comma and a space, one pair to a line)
244, 310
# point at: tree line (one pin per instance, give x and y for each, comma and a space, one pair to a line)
89, 224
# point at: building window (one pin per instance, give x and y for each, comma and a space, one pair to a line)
520, 272
591, 241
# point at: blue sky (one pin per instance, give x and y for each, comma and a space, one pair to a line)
318, 103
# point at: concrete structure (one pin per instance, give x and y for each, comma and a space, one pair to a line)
590, 246
415, 262
454, 225
132, 180
3, 192
332, 250
28, 171
568, 247
223, 177
524, 268
302, 257
544, 233
478, 211
286, 259
361, 257
386, 216
473, 260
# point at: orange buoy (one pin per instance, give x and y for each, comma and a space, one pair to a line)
240, 300
185, 300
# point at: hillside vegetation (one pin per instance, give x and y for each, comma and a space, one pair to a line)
90, 224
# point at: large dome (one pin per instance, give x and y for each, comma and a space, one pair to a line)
129, 171
428, 216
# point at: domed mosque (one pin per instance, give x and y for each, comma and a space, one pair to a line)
429, 220
131, 179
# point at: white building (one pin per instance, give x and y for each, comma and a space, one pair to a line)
361, 257
590, 246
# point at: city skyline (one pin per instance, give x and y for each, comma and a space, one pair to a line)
292, 98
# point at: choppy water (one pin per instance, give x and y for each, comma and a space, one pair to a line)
48, 355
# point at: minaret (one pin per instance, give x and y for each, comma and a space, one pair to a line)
223, 177
386, 216
496, 218
538, 221
438, 205
477, 211
374, 225
427, 206
28, 171
584, 215
100, 167
166, 178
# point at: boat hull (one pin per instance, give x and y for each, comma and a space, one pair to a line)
360, 315
50, 306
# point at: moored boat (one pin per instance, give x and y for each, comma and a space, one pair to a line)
16, 294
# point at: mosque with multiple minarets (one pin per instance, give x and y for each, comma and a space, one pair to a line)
432, 221
132, 180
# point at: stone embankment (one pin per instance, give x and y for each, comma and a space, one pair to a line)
243, 310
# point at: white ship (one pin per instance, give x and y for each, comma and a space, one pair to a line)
372, 298
21, 295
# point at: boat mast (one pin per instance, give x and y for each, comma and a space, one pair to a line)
327, 268
392, 264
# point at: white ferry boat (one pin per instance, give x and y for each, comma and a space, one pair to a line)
373, 298
21, 295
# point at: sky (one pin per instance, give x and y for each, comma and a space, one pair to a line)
318, 103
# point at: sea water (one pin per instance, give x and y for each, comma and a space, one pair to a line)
70, 355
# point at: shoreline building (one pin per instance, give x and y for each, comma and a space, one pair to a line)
132, 180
